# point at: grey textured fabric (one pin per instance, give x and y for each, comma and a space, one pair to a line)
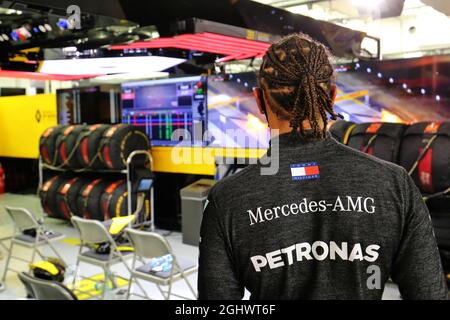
339, 233
30, 239
184, 264
100, 256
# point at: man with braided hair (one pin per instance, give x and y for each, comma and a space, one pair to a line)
332, 222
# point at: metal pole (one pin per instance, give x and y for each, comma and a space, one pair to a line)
129, 160
41, 175
129, 187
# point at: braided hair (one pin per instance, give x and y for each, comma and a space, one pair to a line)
296, 75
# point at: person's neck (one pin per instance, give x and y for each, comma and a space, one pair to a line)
282, 127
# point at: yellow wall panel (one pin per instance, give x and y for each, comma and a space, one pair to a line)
22, 121
196, 160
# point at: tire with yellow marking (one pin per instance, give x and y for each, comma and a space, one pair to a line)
118, 142
114, 201
341, 129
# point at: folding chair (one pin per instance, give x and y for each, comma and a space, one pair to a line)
148, 245
46, 289
24, 220
93, 232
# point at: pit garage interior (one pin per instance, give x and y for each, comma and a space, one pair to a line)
96, 98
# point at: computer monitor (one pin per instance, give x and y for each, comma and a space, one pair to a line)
145, 185
90, 105
165, 105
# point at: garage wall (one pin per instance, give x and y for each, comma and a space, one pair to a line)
22, 121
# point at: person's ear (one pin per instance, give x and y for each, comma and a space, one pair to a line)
257, 93
333, 93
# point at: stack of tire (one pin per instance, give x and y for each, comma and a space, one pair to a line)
63, 196
341, 130
425, 153
423, 149
381, 140
79, 152
92, 147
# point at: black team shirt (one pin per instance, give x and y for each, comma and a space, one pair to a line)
332, 223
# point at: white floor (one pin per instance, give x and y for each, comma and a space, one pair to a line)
15, 290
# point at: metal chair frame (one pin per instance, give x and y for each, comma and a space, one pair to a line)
26, 220
51, 290
101, 236
163, 247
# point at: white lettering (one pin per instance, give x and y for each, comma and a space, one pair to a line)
356, 253
289, 254
324, 247
318, 250
339, 204
282, 210
268, 214
351, 204
341, 252
294, 206
255, 217
302, 251
258, 262
354, 206
275, 260
303, 206
313, 206
372, 207
372, 253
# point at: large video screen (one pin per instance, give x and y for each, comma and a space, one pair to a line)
172, 111
234, 117
401, 90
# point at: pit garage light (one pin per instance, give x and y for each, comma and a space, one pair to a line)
387, 116
63, 24
14, 35
254, 124
104, 66
370, 4
125, 77
42, 76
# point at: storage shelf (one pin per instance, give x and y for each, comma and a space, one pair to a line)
43, 166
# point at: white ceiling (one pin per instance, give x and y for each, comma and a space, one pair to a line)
420, 28
349, 8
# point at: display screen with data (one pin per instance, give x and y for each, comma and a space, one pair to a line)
172, 111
